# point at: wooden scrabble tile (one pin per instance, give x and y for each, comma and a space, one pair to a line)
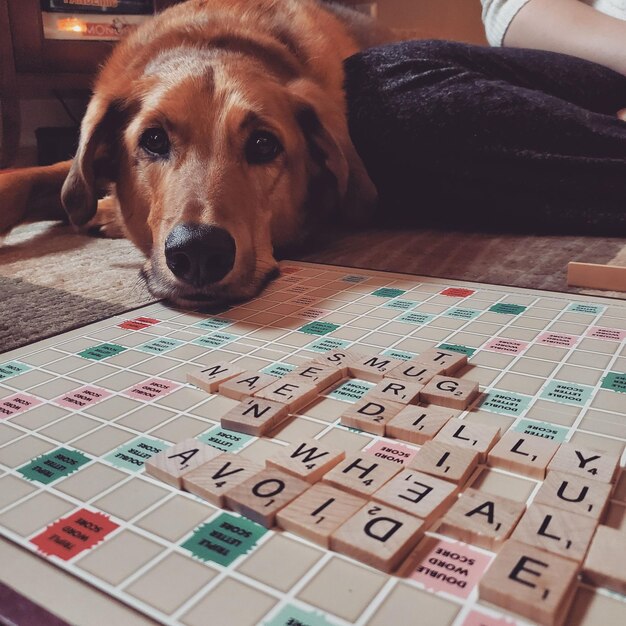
535, 584
245, 384
413, 371
321, 376
361, 474
481, 519
479, 437
318, 512
597, 464
213, 479
318, 374
260, 497
171, 464
372, 367
522, 454
255, 416
307, 459
557, 531
396, 390
445, 461
604, 565
417, 424
417, 494
575, 494
294, 394
370, 414
339, 359
444, 361
378, 535
453, 393
211, 377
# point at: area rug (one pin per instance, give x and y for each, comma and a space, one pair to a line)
53, 280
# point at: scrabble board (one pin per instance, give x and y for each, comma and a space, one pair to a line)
84, 414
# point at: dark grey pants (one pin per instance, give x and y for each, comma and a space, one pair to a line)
493, 138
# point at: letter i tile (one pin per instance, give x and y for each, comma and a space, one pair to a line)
318, 512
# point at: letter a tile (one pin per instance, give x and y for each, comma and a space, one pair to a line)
213, 479
172, 464
481, 519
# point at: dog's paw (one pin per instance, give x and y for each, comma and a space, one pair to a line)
14, 194
622, 114
107, 222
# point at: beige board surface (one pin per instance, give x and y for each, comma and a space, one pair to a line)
264, 335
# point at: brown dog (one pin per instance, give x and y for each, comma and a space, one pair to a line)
219, 126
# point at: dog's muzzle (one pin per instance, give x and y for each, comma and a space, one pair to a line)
199, 254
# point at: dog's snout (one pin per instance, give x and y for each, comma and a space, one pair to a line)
199, 254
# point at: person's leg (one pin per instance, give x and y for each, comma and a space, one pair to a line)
462, 135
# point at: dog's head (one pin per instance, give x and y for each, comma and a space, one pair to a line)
218, 158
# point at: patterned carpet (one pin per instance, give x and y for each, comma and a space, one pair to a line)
52, 280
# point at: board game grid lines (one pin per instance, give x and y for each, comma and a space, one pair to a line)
82, 412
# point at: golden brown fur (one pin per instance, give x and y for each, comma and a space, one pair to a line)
210, 72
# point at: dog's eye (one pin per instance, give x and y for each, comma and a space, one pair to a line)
262, 147
155, 142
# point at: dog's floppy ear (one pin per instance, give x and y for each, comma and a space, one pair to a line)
93, 167
323, 122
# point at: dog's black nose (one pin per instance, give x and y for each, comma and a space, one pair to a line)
199, 254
